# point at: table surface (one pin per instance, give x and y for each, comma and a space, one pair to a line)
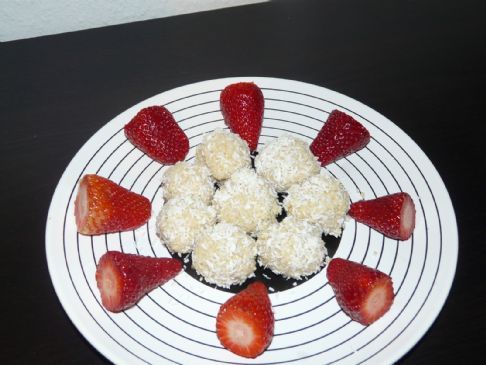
421, 64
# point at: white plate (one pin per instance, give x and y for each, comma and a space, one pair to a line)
176, 323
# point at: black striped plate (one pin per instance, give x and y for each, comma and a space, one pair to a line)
176, 323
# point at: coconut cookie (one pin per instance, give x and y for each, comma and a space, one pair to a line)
223, 153
181, 220
292, 248
185, 178
286, 161
322, 200
224, 255
247, 201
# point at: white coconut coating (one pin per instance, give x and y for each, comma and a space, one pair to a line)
292, 248
185, 178
224, 255
322, 200
181, 220
247, 201
285, 161
223, 153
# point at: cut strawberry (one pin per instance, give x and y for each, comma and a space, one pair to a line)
339, 137
363, 293
244, 324
242, 105
102, 206
393, 215
125, 278
155, 131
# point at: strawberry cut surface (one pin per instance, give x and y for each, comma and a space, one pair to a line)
393, 215
102, 206
339, 137
155, 132
123, 279
363, 293
242, 105
245, 322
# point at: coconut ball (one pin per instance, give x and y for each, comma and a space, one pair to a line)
322, 200
181, 220
224, 255
186, 178
223, 153
285, 161
247, 201
292, 248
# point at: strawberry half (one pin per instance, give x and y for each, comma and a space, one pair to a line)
244, 324
363, 293
102, 206
242, 105
155, 131
339, 137
393, 215
125, 278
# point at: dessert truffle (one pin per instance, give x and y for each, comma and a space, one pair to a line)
285, 161
185, 178
322, 200
247, 201
223, 153
292, 248
181, 220
224, 255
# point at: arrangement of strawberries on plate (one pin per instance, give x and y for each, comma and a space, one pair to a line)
245, 322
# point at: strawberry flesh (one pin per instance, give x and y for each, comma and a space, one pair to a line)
363, 293
339, 137
102, 206
123, 279
155, 132
245, 322
393, 215
242, 106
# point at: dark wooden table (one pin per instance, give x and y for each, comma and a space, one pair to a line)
421, 64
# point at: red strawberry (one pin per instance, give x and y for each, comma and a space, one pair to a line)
102, 206
155, 131
244, 324
339, 137
125, 278
363, 293
393, 215
242, 106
